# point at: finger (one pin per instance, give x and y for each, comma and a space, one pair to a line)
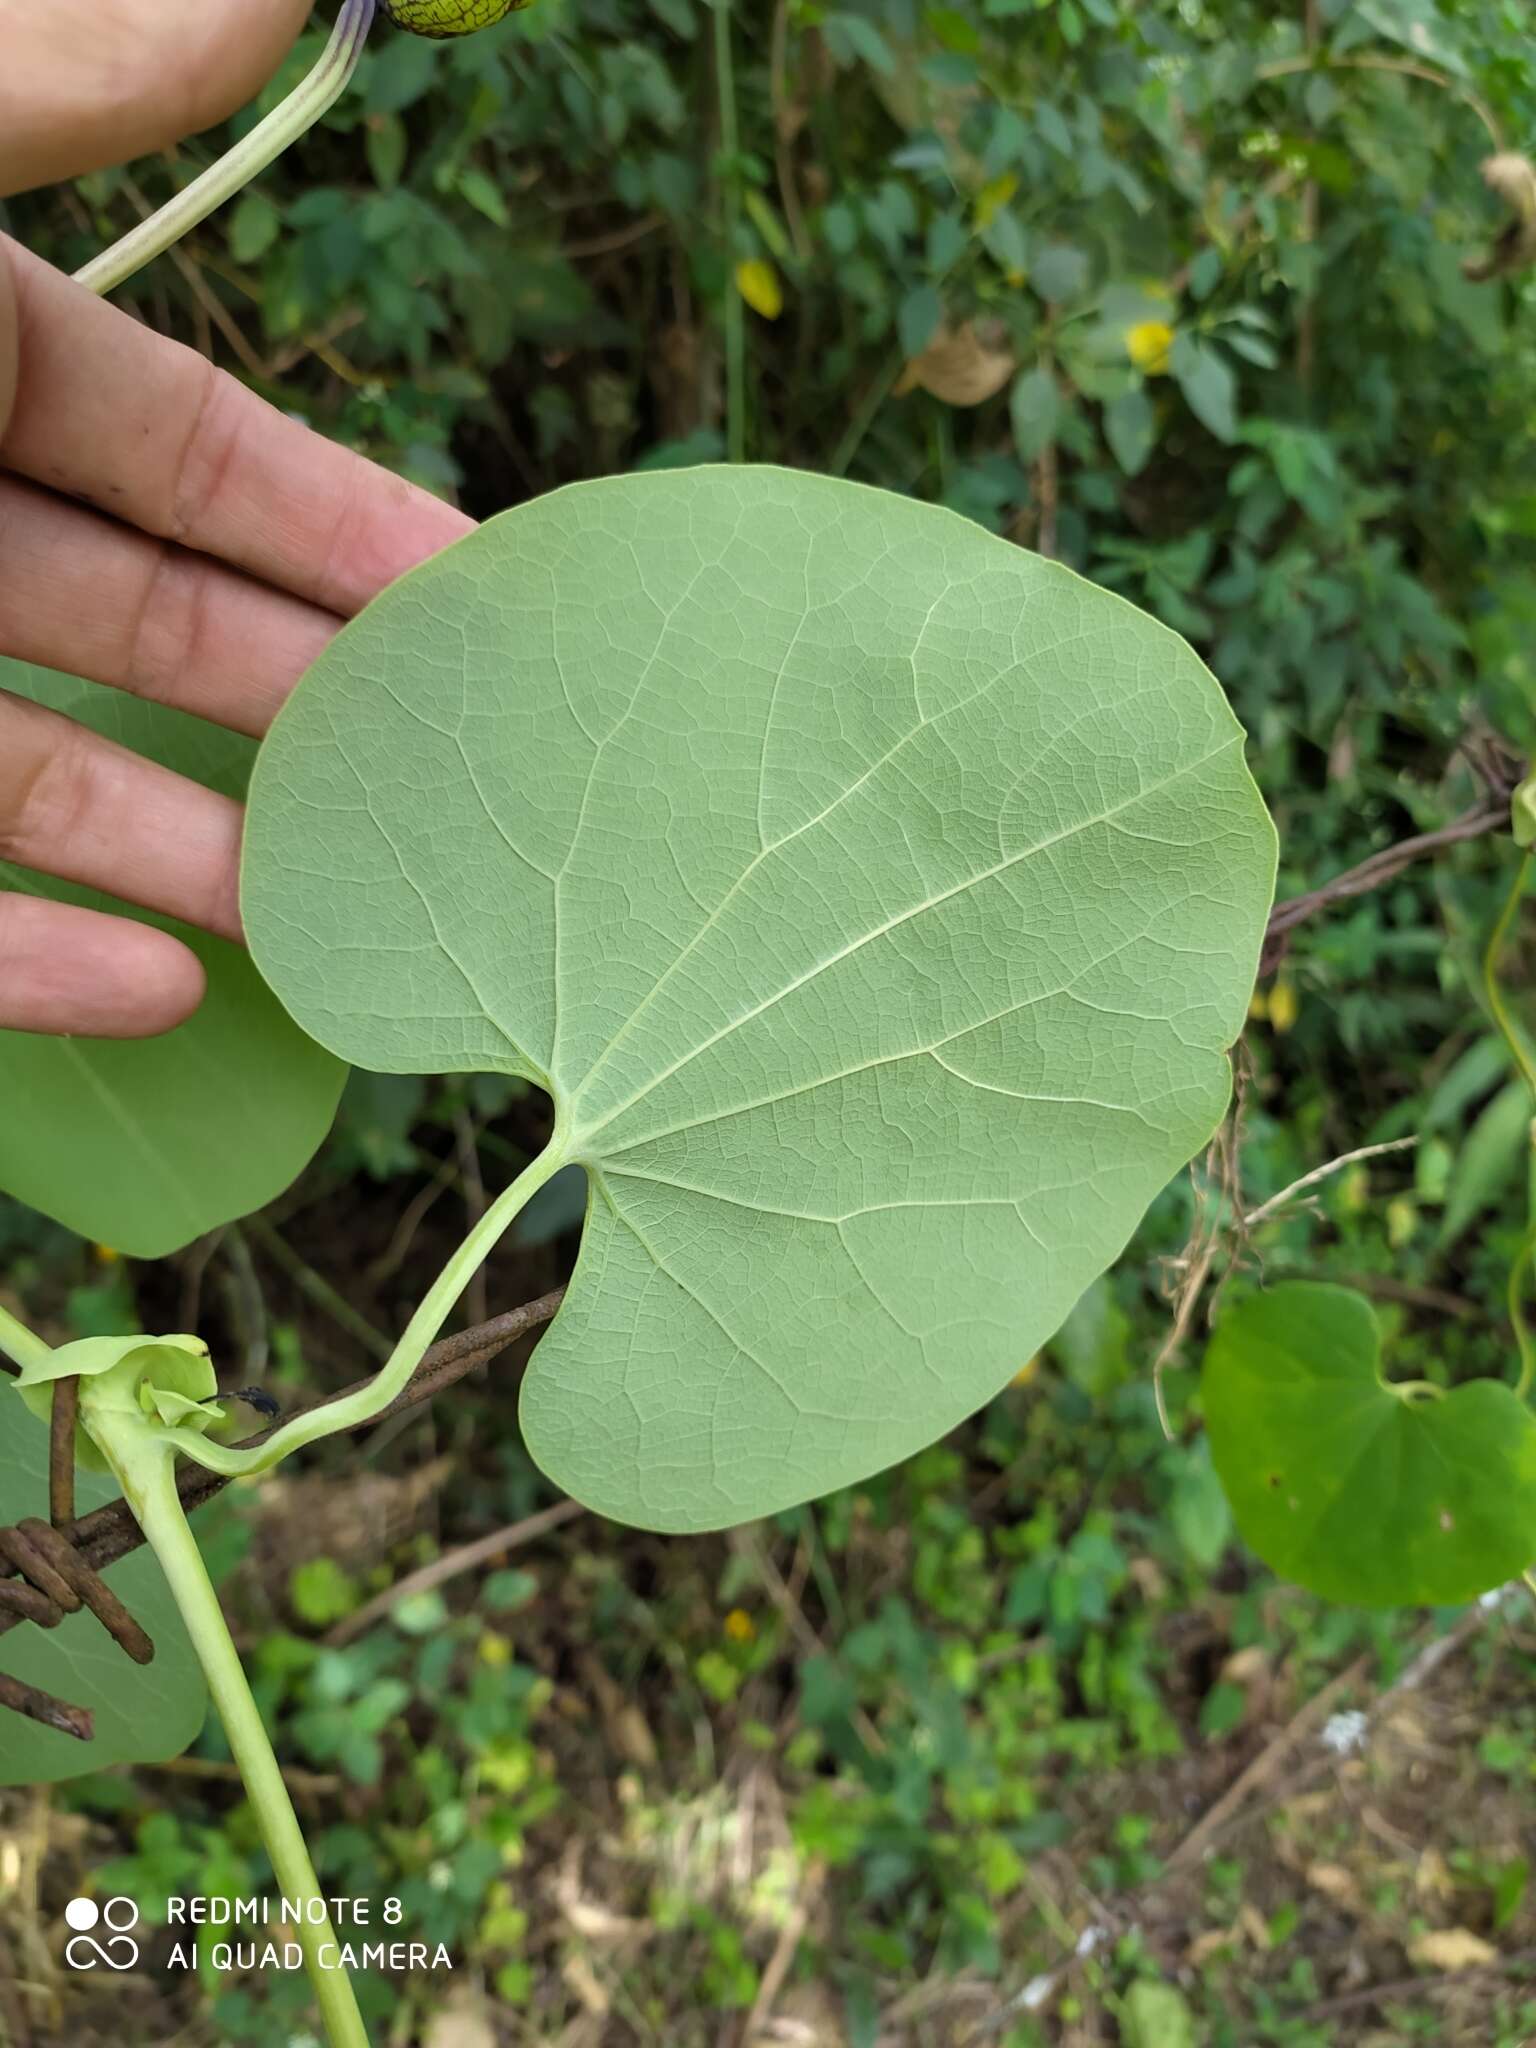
150, 432
94, 82
64, 969
98, 599
75, 805
8, 340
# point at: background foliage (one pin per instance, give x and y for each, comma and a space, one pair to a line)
1173, 292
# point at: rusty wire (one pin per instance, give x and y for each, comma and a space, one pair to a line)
52, 1569
46, 1580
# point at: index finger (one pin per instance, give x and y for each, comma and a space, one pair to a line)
150, 432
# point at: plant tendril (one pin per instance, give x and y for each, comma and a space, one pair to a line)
1522, 1059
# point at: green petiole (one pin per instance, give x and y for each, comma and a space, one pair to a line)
142, 1457
319, 90
20, 1343
419, 1332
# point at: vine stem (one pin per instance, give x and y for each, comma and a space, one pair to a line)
352, 1410
735, 315
318, 90
146, 1470
1499, 1010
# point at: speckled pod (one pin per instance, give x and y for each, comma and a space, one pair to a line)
441, 18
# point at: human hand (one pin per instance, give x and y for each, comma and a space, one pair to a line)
162, 530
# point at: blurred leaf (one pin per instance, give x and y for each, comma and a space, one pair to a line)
385, 143
1130, 427
1488, 1161
1059, 272
1092, 1345
1198, 1508
321, 1592
959, 367
484, 195
1156, 2016
1208, 385
850, 36
922, 311
1033, 408
758, 283
253, 227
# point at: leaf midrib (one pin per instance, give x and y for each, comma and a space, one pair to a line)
582, 1135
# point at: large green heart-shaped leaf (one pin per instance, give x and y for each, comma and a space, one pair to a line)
876, 901
144, 1713
1350, 1486
143, 1144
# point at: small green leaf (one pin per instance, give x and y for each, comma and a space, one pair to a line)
1208, 385
143, 1144
1522, 813
1198, 1508
918, 321
1130, 427
1488, 1160
1156, 2016
144, 1713
1355, 1490
1033, 407
385, 148
322, 1591
1204, 274
253, 228
850, 36
1059, 272
484, 195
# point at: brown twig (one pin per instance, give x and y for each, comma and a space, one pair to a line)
1400, 67
61, 1450
1415, 1987
1373, 873
1305, 1722
451, 1564
784, 1951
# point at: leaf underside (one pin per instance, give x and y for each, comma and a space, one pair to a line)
144, 1713
143, 1144
1349, 1488
876, 901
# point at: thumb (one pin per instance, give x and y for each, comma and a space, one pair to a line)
87, 83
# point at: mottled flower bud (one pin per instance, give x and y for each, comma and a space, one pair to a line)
439, 18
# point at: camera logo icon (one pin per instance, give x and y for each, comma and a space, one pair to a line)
117, 1949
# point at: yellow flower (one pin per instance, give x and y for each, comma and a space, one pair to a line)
993, 197
758, 283
1027, 1371
106, 1254
740, 1626
1147, 344
1284, 1006
494, 1649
